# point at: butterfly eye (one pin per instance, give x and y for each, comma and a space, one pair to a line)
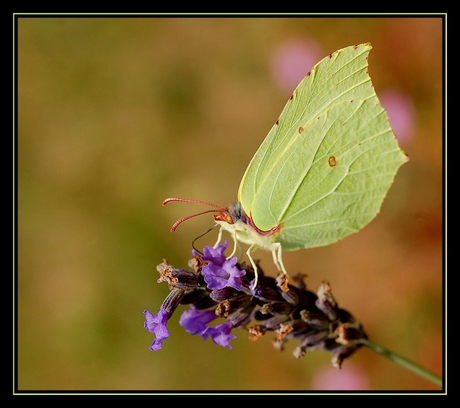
224, 216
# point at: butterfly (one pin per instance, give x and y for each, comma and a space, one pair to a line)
324, 168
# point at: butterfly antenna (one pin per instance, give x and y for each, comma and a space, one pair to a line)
185, 200
178, 222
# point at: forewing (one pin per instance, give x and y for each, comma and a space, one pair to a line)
325, 167
339, 77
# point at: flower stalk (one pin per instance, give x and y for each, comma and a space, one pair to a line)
410, 365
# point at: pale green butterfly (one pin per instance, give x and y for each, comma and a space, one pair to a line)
324, 168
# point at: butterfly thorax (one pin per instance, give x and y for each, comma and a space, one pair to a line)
242, 227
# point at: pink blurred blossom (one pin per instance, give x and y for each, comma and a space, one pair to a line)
292, 61
401, 113
349, 377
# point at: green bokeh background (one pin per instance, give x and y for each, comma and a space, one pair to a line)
116, 114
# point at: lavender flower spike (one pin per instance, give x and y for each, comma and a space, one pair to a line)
227, 275
157, 325
220, 334
194, 321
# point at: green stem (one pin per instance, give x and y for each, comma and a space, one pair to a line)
410, 365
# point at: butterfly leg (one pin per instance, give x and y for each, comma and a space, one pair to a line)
235, 244
278, 259
219, 238
253, 264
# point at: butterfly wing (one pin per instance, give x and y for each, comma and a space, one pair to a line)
324, 169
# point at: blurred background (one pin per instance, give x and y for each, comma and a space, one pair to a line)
116, 114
